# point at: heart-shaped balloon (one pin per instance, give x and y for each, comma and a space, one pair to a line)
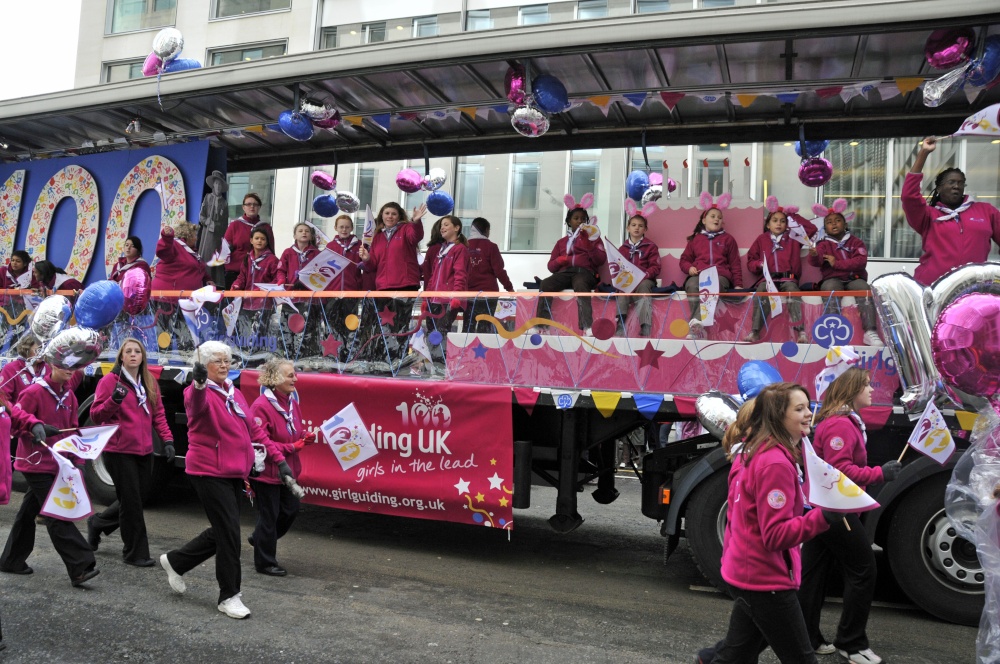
135, 287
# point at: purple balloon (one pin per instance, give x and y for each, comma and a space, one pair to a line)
671, 185
948, 47
966, 344
135, 286
514, 84
655, 178
409, 180
815, 172
152, 65
323, 180
330, 122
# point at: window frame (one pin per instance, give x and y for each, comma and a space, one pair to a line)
414, 26
106, 66
521, 13
579, 4
324, 33
214, 12
469, 15
109, 20
210, 53
366, 32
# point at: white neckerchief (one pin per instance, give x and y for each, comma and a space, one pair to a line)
633, 248
287, 414
711, 235
303, 255
843, 241
187, 248
776, 244
390, 232
571, 238
257, 261
351, 241
861, 424
59, 280
445, 248
60, 400
231, 405
28, 367
140, 390
950, 214
246, 221
129, 266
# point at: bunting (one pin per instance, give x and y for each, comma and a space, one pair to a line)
606, 402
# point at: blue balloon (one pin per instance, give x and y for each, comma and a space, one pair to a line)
440, 203
180, 64
99, 304
985, 69
549, 93
754, 376
295, 125
325, 205
812, 148
636, 185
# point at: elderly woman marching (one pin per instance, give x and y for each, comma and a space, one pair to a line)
221, 433
277, 411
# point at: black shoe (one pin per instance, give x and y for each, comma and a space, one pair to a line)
274, 570
250, 540
605, 496
140, 562
93, 535
83, 578
24, 571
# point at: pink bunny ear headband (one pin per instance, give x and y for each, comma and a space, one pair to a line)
838, 206
706, 202
586, 202
631, 209
771, 205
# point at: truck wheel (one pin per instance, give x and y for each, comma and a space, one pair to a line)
938, 570
705, 526
100, 486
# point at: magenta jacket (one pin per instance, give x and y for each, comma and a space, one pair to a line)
645, 256
219, 441
947, 244
178, 269
36, 401
57, 283
135, 425
273, 424
12, 387
121, 267
8, 280
586, 254
350, 278
851, 259
486, 267
450, 273
721, 251
291, 261
262, 270
238, 237
13, 421
766, 524
842, 444
395, 261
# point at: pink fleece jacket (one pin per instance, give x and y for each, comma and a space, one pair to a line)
36, 401
292, 260
135, 425
395, 261
722, 251
486, 266
274, 425
842, 444
586, 254
850, 261
350, 278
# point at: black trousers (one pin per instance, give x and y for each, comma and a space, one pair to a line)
71, 546
853, 553
476, 306
131, 473
220, 497
376, 340
759, 616
581, 281
276, 511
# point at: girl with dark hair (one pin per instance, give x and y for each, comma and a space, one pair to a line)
47, 277
131, 258
15, 275
446, 267
238, 236
954, 229
841, 441
645, 255
486, 268
709, 246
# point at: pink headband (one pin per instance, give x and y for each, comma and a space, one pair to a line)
586, 202
771, 205
838, 206
631, 209
706, 202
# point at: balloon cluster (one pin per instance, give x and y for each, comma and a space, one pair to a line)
814, 171
74, 347
439, 202
717, 410
944, 339
299, 123
952, 48
547, 95
328, 205
167, 45
645, 187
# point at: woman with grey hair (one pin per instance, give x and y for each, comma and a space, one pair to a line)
221, 434
277, 411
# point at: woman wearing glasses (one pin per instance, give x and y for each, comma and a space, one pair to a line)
238, 236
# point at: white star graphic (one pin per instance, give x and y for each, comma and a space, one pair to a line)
495, 481
462, 486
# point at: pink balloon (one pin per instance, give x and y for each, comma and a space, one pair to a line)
655, 178
514, 84
815, 172
671, 185
965, 344
409, 180
135, 285
323, 180
330, 122
152, 65
948, 47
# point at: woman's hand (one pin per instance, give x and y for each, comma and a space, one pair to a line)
418, 212
929, 144
362, 253
167, 233
693, 271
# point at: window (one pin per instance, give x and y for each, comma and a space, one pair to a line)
469, 189
373, 32
905, 243
713, 4
859, 177
328, 38
478, 19
648, 6
245, 53
591, 9
522, 233
240, 184
425, 26
584, 167
129, 15
121, 71
524, 190
366, 195
225, 8
533, 15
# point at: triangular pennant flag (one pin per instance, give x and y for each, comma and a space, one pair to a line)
348, 437
565, 399
971, 92
635, 98
710, 98
909, 83
670, 99
382, 120
888, 90
787, 97
826, 93
931, 435
468, 110
602, 102
501, 108
648, 404
526, 397
68, 499
254, 129
106, 368
828, 488
745, 100
848, 93
606, 402
774, 300
408, 116
352, 119
418, 344
625, 276
87, 443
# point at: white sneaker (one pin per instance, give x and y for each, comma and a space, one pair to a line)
234, 607
865, 656
175, 579
872, 338
825, 649
588, 332
695, 329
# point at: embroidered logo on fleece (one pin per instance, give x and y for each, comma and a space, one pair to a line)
837, 443
776, 499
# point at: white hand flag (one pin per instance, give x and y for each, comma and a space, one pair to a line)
983, 123
506, 309
279, 300
68, 499
708, 290
230, 314
798, 233
838, 360
624, 275
88, 444
828, 488
931, 435
318, 273
348, 437
774, 300
368, 234
221, 257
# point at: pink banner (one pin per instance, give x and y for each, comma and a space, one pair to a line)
436, 459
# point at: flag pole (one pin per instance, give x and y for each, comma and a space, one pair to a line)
846, 525
900, 459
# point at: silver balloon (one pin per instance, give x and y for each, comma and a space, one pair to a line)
899, 302
74, 348
654, 193
50, 317
529, 121
716, 411
939, 90
434, 180
971, 278
317, 110
168, 44
347, 202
